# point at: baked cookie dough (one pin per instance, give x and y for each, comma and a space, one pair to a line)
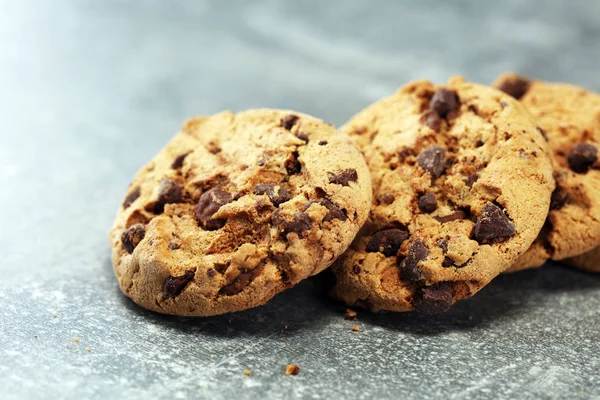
569, 117
462, 183
237, 208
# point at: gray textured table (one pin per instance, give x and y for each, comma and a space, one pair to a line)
90, 90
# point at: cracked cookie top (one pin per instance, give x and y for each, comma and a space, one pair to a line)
236, 208
461, 183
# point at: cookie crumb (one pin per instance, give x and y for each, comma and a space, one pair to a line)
292, 369
350, 314
54, 315
470, 318
75, 340
35, 337
355, 328
286, 345
247, 372
87, 349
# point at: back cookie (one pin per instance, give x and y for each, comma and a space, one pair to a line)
237, 208
569, 117
462, 184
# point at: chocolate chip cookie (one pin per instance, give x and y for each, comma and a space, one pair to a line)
237, 208
462, 183
589, 261
569, 118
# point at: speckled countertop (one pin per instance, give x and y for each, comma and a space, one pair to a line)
90, 90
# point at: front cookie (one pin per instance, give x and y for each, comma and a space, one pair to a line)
237, 208
570, 119
462, 184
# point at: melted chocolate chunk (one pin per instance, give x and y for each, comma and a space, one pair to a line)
409, 270
175, 284
277, 194
300, 222
582, 157
240, 282
471, 179
433, 160
343, 177
543, 133
131, 197
210, 202
387, 241
444, 102
333, 211
433, 299
289, 121
493, 225
559, 198
428, 203
452, 217
432, 120
132, 236
292, 165
302, 136
515, 86
169, 192
178, 161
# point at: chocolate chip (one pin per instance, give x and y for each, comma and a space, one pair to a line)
558, 198
178, 161
479, 143
288, 121
169, 192
428, 203
302, 136
240, 282
300, 222
356, 269
433, 299
443, 244
322, 142
211, 273
131, 197
493, 225
333, 211
433, 160
471, 179
543, 133
132, 237
277, 194
443, 102
582, 156
432, 120
452, 217
409, 270
221, 267
387, 241
515, 86
175, 284
292, 165
387, 199
173, 246
210, 202
343, 177
448, 262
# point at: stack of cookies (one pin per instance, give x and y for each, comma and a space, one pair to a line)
419, 201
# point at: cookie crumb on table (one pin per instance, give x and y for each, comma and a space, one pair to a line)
88, 350
75, 340
54, 315
247, 372
292, 369
350, 314
355, 328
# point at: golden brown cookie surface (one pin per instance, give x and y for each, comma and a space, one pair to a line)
236, 208
462, 183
